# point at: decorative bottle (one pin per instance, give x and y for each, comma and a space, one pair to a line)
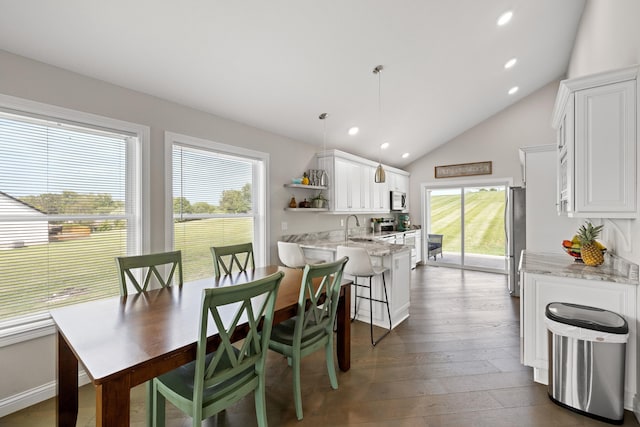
324, 179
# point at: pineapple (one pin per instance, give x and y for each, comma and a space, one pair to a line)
591, 251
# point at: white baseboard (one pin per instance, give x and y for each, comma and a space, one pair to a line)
35, 395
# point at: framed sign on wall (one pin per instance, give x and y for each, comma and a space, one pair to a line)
463, 169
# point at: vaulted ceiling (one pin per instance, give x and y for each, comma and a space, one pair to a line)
278, 64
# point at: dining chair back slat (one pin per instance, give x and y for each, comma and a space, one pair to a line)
226, 257
131, 268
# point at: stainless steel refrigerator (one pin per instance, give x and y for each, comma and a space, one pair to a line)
516, 232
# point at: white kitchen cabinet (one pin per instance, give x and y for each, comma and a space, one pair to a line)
538, 290
397, 279
351, 183
391, 239
398, 182
596, 121
348, 186
411, 238
379, 192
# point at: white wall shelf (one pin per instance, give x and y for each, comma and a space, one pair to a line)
306, 187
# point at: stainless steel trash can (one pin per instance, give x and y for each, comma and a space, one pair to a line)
587, 348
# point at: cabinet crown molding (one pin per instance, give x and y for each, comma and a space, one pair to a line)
358, 159
568, 86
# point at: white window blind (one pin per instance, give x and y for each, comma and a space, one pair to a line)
214, 204
65, 212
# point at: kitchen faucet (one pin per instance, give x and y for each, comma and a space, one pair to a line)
346, 226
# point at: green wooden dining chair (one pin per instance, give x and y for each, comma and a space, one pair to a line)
217, 380
148, 265
225, 257
312, 328
128, 266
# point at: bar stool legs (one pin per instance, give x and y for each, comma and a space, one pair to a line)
371, 300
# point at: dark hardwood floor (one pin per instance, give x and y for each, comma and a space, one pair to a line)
454, 362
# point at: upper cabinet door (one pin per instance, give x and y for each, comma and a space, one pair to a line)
596, 120
379, 193
605, 149
352, 187
342, 186
565, 175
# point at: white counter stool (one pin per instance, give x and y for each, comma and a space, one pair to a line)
292, 256
359, 265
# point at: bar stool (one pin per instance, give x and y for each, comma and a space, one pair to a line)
292, 256
359, 265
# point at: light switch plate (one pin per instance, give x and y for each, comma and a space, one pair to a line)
284, 225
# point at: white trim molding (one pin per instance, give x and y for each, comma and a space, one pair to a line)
30, 397
26, 328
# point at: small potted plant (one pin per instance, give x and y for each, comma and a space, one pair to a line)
319, 201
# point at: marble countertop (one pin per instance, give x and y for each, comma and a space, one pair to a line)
379, 234
330, 240
373, 247
614, 269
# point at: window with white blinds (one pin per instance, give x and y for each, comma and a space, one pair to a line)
68, 206
218, 200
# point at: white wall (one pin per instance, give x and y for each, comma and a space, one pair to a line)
40, 82
545, 228
608, 38
528, 122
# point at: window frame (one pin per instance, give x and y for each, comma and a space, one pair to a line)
28, 327
260, 187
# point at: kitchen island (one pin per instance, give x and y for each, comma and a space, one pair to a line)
549, 278
397, 258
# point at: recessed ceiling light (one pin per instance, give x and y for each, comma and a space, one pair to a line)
513, 90
405, 155
354, 130
510, 63
505, 18
384, 145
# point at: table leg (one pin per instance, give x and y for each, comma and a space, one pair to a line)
343, 338
113, 403
67, 398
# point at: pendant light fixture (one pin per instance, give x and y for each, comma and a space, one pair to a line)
324, 179
380, 175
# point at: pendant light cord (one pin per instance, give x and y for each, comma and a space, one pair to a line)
379, 175
324, 132
379, 68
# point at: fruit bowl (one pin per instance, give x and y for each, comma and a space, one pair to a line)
576, 253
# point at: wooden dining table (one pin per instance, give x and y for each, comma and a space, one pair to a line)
125, 341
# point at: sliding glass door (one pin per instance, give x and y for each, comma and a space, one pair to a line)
469, 221
445, 226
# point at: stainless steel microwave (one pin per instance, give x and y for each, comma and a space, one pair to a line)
398, 201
